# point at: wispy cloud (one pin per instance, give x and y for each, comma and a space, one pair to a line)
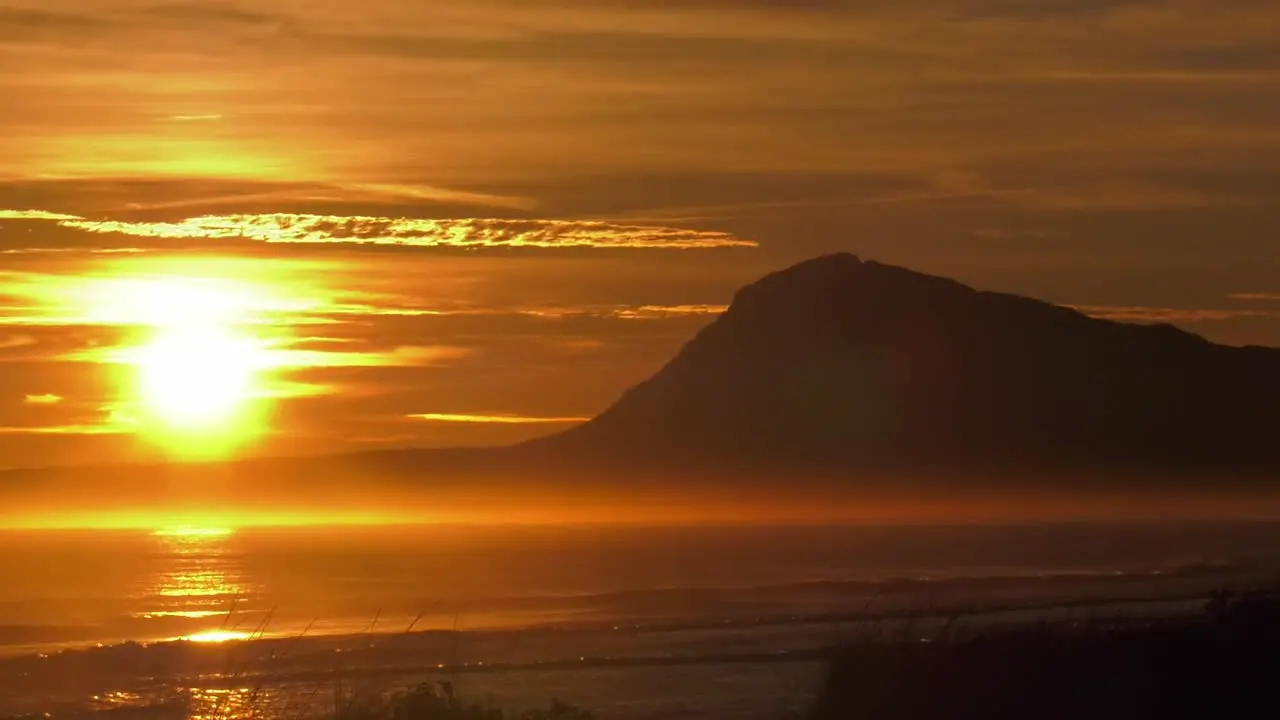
35, 215
1143, 314
44, 399
1257, 297
334, 194
139, 296
281, 356
14, 341
414, 232
619, 312
366, 230
409, 192
659, 312
66, 430
104, 196
496, 419
402, 356
207, 117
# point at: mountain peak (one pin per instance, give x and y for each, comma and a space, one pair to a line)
839, 360
832, 282
829, 263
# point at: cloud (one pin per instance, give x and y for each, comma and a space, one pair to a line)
1142, 77
399, 356
66, 430
496, 419
1257, 297
206, 117
652, 312
35, 215
500, 91
411, 192
108, 196
346, 312
338, 194
10, 342
26, 24
45, 399
1113, 196
1142, 314
305, 229
207, 12
616, 312
274, 356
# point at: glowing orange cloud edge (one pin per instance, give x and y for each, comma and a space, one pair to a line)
497, 419
414, 232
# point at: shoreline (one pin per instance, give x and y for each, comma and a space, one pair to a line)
1200, 589
1176, 603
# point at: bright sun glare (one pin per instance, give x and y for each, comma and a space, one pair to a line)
199, 377
201, 365
193, 531
216, 636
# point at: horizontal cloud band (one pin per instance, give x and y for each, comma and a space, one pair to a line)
413, 232
1141, 314
497, 419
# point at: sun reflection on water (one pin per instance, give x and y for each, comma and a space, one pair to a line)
201, 703
187, 531
199, 584
217, 636
220, 703
198, 579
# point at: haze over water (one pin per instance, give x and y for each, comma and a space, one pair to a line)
530, 599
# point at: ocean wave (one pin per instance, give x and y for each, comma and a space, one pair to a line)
664, 607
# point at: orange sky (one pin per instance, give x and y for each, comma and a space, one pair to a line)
475, 222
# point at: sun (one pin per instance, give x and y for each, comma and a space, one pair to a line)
198, 370
197, 378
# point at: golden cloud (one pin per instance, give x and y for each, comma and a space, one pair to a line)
1143, 314
497, 419
15, 341
45, 399
415, 232
65, 430
405, 356
352, 192
35, 215
659, 312
621, 312
278, 356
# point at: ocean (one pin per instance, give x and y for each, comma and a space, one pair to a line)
629, 622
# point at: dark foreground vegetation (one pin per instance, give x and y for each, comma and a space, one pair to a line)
1222, 663
438, 702
1225, 664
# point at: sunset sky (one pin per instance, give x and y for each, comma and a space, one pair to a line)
418, 222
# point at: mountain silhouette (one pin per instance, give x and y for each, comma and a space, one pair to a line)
840, 370
838, 362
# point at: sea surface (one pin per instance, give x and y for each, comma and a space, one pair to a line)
630, 622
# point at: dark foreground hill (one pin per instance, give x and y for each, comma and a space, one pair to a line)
1217, 666
841, 363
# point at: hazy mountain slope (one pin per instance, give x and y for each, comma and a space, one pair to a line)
837, 361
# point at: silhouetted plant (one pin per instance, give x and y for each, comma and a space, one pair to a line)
557, 711
439, 702
1220, 664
